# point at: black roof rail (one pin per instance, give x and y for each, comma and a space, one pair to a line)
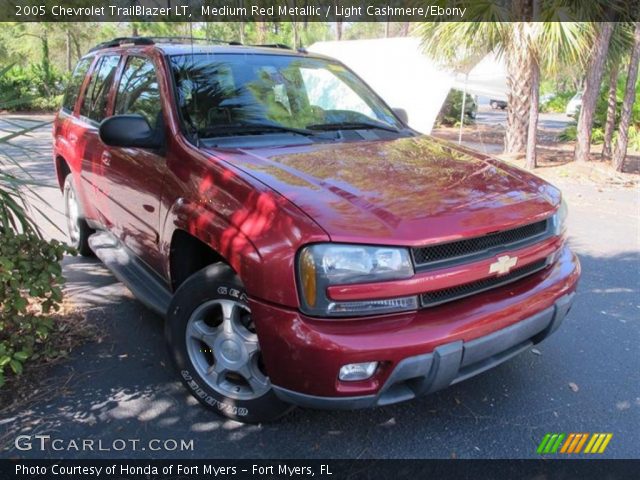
191, 40
116, 42
274, 45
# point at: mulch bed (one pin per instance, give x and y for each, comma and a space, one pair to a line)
71, 330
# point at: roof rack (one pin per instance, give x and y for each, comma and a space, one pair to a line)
116, 42
274, 45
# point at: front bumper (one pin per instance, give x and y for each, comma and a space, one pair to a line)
418, 352
447, 364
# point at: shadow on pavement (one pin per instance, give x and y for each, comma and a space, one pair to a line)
126, 388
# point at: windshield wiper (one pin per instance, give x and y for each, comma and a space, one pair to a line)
248, 128
353, 126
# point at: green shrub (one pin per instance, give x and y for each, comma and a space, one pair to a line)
634, 138
557, 104
30, 271
30, 288
600, 118
568, 134
31, 88
450, 112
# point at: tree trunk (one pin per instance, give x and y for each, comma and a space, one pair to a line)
404, 32
518, 59
338, 31
592, 83
305, 21
627, 103
387, 28
241, 23
262, 32
532, 134
296, 36
134, 29
46, 63
68, 44
76, 44
610, 124
241, 27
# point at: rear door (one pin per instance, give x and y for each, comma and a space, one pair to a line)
95, 106
69, 130
135, 175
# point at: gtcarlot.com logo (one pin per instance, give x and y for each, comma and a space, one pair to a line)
574, 443
47, 442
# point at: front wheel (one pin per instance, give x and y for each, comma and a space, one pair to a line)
77, 227
214, 345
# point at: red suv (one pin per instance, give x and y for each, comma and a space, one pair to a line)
304, 245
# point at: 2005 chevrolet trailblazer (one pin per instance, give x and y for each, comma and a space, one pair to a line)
305, 246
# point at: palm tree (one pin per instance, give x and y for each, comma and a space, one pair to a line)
627, 103
455, 42
338, 25
592, 83
526, 47
553, 44
530, 161
612, 100
619, 47
520, 67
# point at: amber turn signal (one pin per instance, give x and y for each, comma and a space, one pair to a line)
308, 277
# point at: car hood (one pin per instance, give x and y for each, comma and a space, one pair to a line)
409, 191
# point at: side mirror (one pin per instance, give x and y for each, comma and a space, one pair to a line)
401, 113
129, 131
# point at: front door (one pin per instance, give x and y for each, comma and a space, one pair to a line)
135, 175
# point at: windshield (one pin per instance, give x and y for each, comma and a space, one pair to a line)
217, 93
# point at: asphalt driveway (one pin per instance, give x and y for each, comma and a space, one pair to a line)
585, 378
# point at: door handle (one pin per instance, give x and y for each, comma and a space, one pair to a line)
106, 158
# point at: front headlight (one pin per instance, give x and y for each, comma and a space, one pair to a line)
560, 219
323, 265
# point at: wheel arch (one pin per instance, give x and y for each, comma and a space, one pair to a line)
189, 254
62, 170
190, 227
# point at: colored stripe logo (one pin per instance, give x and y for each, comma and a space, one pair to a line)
574, 443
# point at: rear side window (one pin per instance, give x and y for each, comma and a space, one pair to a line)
75, 83
138, 92
94, 105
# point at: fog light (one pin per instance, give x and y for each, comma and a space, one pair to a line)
357, 371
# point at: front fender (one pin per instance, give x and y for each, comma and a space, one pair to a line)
259, 241
212, 229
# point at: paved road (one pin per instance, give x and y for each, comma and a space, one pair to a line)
550, 125
125, 388
551, 122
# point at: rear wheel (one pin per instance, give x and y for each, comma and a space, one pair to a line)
77, 227
214, 344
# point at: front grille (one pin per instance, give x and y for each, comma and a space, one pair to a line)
437, 297
463, 248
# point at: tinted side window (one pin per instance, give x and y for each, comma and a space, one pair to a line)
75, 83
138, 91
94, 105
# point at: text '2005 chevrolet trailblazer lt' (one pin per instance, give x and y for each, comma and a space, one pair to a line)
304, 245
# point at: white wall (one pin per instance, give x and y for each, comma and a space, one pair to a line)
397, 70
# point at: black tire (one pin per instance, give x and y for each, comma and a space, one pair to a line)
77, 228
494, 105
215, 283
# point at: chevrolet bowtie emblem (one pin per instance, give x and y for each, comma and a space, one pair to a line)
503, 265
